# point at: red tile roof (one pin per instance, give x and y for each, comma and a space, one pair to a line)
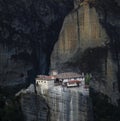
68, 75
73, 81
45, 77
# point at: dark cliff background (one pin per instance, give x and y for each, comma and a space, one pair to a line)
29, 30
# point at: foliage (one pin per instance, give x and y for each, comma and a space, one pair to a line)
87, 78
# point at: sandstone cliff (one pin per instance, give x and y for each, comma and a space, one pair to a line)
81, 30
87, 43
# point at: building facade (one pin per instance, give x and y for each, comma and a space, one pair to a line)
43, 83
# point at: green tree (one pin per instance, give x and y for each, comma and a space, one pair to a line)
87, 78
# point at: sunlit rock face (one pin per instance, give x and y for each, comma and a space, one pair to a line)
28, 31
89, 42
81, 30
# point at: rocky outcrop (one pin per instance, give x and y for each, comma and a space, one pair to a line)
34, 107
69, 104
88, 42
61, 106
81, 30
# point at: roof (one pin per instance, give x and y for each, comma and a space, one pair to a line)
44, 77
68, 75
73, 81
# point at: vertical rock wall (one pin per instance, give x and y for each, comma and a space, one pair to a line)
68, 104
34, 107
81, 30
57, 104
87, 43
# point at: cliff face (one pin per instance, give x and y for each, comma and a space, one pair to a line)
69, 104
28, 31
81, 30
89, 42
61, 104
34, 108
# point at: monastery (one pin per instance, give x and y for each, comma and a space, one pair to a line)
64, 80
66, 95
